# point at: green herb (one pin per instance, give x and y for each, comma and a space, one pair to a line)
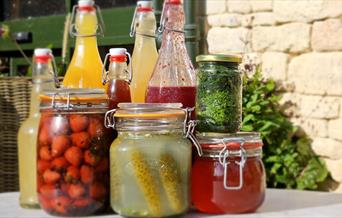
218, 106
288, 157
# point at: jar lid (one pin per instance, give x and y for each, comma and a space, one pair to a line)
218, 141
149, 110
73, 99
219, 58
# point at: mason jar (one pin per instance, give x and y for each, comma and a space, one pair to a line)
219, 93
230, 177
73, 152
150, 160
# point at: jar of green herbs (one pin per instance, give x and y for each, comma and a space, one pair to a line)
219, 94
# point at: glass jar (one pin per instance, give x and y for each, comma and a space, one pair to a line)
150, 160
230, 176
73, 152
219, 93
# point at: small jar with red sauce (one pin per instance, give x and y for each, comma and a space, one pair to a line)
73, 152
118, 77
230, 177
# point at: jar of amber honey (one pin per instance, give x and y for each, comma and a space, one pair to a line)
230, 176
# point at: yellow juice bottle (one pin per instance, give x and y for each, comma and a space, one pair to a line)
145, 52
85, 68
27, 135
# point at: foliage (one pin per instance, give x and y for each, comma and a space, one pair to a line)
289, 159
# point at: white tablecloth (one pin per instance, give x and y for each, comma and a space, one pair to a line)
279, 203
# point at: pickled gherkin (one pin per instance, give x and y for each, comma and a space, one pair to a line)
172, 182
146, 182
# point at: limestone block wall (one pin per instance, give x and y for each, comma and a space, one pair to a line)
299, 43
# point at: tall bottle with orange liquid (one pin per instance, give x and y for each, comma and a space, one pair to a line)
84, 70
43, 78
145, 53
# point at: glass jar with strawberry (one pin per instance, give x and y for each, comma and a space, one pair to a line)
73, 152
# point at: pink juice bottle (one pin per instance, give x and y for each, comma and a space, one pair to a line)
173, 79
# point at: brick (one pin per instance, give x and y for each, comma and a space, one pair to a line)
225, 20
274, 65
263, 19
317, 73
228, 40
312, 127
294, 37
328, 148
319, 107
335, 129
306, 10
215, 6
326, 35
239, 6
261, 5
335, 169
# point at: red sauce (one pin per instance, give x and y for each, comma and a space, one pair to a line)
176, 94
209, 194
118, 91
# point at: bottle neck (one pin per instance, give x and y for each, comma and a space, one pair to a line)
118, 71
145, 24
86, 27
174, 17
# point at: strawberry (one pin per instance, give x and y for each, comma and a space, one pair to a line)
76, 191
96, 127
78, 123
64, 187
59, 163
43, 165
83, 202
45, 203
51, 177
103, 165
91, 159
49, 191
59, 144
97, 191
72, 174
74, 155
59, 125
80, 139
44, 136
45, 153
61, 204
87, 174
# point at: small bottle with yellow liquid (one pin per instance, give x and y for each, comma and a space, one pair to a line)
42, 78
145, 53
84, 70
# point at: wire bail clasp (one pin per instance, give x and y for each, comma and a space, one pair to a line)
105, 72
162, 22
100, 26
224, 161
133, 24
109, 121
189, 129
55, 71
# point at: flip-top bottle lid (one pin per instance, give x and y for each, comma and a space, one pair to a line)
145, 4
117, 51
42, 52
85, 3
174, 2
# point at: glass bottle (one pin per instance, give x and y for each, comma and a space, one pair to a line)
43, 78
145, 52
173, 79
118, 77
84, 70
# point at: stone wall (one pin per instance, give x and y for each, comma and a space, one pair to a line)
299, 43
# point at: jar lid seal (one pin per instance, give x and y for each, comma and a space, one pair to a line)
230, 58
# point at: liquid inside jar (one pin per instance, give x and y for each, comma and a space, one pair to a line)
73, 163
150, 174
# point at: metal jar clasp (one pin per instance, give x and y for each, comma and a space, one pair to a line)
224, 155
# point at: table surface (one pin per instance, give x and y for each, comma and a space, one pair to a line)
278, 203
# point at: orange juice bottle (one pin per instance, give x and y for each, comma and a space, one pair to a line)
84, 70
145, 52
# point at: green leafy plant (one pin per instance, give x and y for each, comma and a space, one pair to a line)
288, 157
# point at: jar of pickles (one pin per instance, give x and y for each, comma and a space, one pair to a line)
230, 176
219, 93
73, 152
150, 160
